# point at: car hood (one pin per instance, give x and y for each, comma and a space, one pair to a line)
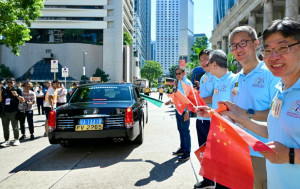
97, 108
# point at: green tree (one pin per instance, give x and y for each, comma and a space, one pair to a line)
231, 62
5, 72
16, 33
127, 39
199, 44
172, 71
192, 65
100, 73
151, 70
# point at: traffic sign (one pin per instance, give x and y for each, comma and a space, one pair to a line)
95, 78
65, 72
54, 65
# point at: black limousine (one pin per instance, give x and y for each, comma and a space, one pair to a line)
104, 110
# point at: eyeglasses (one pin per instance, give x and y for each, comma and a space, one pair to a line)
178, 73
9, 82
242, 44
279, 50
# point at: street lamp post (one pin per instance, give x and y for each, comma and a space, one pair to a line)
84, 53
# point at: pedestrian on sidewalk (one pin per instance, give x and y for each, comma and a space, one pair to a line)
50, 102
27, 107
183, 121
40, 99
161, 93
10, 97
61, 95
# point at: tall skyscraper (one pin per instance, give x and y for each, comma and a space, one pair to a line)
174, 31
220, 9
142, 30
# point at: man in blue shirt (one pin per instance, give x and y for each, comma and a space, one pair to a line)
207, 83
183, 121
217, 64
253, 91
281, 55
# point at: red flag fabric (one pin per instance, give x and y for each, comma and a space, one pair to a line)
194, 96
200, 153
227, 157
180, 101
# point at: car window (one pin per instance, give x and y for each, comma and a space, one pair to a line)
101, 93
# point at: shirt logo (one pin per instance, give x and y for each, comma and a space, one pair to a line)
259, 82
223, 88
294, 111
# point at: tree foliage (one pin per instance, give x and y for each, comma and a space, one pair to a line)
199, 44
100, 73
151, 70
127, 39
231, 62
172, 71
15, 19
5, 72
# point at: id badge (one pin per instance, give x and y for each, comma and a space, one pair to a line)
234, 91
7, 101
216, 91
276, 108
205, 79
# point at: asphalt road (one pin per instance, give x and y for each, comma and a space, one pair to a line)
102, 164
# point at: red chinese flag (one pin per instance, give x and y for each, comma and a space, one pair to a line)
180, 101
227, 157
194, 96
200, 153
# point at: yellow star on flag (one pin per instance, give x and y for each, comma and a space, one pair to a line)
222, 129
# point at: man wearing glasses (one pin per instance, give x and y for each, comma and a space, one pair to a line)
281, 54
183, 121
10, 97
253, 91
207, 83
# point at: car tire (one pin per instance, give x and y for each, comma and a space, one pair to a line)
140, 138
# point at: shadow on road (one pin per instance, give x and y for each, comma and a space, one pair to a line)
160, 172
84, 155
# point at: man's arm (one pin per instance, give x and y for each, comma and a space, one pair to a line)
208, 99
234, 112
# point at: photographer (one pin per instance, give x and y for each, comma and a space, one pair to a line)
26, 108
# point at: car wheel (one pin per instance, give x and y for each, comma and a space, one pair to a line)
140, 138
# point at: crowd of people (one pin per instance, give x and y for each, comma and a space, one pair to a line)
17, 100
263, 98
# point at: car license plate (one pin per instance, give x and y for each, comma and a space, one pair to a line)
89, 125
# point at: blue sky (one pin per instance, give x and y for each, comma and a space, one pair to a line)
203, 17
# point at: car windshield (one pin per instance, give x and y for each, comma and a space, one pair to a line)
101, 93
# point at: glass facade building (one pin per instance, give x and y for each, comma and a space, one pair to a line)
220, 8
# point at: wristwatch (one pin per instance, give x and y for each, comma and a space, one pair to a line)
251, 113
292, 155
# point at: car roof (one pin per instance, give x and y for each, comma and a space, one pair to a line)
107, 83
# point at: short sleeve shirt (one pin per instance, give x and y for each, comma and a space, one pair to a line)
29, 96
207, 83
222, 88
53, 93
286, 130
256, 91
9, 101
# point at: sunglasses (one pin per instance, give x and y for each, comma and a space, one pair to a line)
178, 73
10, 82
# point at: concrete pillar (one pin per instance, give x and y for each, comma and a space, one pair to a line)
252, 20
268, 13
291, 8
224, 44
218, 45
